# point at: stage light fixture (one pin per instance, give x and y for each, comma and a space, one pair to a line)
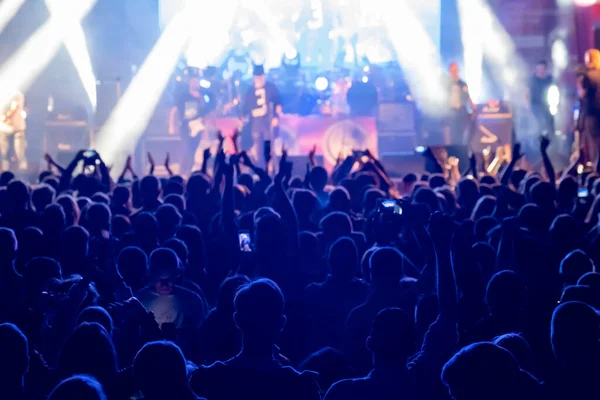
120, 135
205, 84
553, 98
321, 83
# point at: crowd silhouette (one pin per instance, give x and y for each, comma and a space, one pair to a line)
468, 287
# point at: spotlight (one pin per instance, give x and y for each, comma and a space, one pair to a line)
291, 54
321, 83
205, 84
290, 61
365, 79
553, 99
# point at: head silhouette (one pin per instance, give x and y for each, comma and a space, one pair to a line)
519, 348
6, 177
9, 246
14, 352
97, 219
168, 219
575, 334
574, 266
544, 195
176, 200
318, 178
78, 387
132, 264
70, 208
305, 202
42, 196
164, 268
98, 315
505, 294
53, 220
259, 312
160, 371
483, 371
228, 291
90, 351
427, 196
121, 196
336, 225
567, 193
343, 259
468, 193
386, 265
179, 247
339, 200
150, 189
392, 338
145, 227
18, 195
484, 207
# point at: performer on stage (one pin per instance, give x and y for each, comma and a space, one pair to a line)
187, 117
262, 104
537, 96
12, 133
588, 124
462, 113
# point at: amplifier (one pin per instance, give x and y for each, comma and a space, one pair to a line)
396, 117
66, 137
494, 127
396, 143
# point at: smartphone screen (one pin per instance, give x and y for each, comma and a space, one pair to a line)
583, 193
390, 206
245, 241
89, 154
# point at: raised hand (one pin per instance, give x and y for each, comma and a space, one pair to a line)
150, 159
167, 160
235, 136
544, 143
128, 163
206, 154
516, 151
311, 155
220, 136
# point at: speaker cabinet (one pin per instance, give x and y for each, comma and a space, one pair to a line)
63, 138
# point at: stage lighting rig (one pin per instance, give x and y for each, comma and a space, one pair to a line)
290, 61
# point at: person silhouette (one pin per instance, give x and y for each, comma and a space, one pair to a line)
78, 387
160, 372
14, 352
391, 342
255, 372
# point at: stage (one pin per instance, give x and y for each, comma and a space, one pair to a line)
333, 137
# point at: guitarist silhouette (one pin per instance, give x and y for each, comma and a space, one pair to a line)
187, 117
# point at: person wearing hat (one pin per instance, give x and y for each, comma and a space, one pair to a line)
187, 116
262, 104
588, 123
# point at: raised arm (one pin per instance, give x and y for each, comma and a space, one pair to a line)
284, 207
441, 229
516, 156
152, 164
544, 143
65, 178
